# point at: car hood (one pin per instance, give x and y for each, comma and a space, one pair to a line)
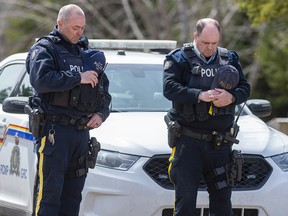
145, 134
257, 138
137, 133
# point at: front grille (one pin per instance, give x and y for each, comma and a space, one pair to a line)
205, 212
255, 173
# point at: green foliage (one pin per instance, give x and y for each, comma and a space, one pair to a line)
260, 11
272, 50
18, 27
272, 53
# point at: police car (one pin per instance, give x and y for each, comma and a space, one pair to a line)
131, 173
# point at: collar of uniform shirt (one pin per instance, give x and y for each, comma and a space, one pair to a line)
203, 57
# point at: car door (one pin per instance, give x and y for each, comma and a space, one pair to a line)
17, 159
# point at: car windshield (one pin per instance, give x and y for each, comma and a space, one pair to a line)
136, 87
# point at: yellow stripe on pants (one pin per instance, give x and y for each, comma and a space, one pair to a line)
40, 173
170, 163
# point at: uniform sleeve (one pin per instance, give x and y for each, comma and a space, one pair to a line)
242, 90
44, 76
176, 72
105, 110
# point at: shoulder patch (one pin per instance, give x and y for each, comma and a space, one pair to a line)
167, 64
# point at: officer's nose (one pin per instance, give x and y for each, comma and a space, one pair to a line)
80, 33
210, 46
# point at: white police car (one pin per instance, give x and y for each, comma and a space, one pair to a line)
131, 173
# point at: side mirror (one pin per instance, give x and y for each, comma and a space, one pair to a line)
14, 104
260, 107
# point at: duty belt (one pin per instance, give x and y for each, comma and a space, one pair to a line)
195, 135
80, 124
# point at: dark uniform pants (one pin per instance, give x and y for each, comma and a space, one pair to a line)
191, 159
59, 194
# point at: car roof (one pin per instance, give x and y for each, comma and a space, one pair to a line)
120, 51
14, 57
132, 57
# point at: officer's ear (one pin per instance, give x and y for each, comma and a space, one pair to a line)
195, 36
60, 23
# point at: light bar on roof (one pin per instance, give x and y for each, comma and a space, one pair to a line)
132, 44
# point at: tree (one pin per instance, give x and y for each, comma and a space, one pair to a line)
263, 11
272, 16
125, 19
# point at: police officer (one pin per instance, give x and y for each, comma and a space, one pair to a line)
197, 152
72, 101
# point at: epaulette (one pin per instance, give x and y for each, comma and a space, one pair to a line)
173, 51
188, 46
54, 39
188, 49
223, 52
223, 55
233, 56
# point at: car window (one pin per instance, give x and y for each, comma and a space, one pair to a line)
9, 76
240, 110
25, 88
136, 87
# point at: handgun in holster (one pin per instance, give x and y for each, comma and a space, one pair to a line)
174, 129
36, 120
94, 148
231, 136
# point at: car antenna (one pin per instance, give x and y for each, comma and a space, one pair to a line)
235, 127
241, 109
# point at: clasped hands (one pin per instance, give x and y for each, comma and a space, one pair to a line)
219, 97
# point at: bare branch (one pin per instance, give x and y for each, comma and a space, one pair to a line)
131, 20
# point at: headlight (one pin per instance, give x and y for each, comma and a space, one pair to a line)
115, 160
281, 161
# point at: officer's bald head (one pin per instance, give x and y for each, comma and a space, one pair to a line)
71, 22
207, 36
206, 22
66, 11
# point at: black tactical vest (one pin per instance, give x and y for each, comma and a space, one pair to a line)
202, 77
82, 98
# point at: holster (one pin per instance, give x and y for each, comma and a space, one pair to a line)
36, 120
94, 148
174, 130
86, 161
228, 138
238, 161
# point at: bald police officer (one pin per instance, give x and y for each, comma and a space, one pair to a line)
197, 151
72, 94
